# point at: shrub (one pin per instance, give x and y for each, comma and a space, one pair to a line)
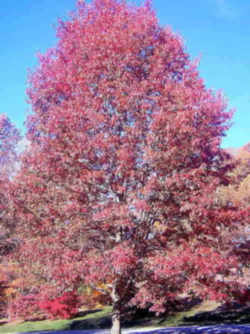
65, 306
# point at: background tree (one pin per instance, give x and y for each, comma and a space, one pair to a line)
125, 133
238, 194
238, 191
9, 138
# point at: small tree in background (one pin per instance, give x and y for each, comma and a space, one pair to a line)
125, 160
9, 138
238, 194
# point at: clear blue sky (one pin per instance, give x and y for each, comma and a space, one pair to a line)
216, 30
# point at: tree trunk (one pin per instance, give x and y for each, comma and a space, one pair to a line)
116, 313
116, 322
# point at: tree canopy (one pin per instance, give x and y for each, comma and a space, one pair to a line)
124, 162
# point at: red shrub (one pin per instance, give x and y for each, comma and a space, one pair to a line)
65, 306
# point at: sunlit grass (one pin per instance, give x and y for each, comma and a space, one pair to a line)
44, 325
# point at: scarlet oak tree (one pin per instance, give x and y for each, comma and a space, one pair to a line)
123, 127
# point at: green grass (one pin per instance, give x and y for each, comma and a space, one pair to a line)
44, 325
177, 319
101, 319
34, 326
92, 320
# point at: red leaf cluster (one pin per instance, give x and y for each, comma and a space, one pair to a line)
63, 307
24, 308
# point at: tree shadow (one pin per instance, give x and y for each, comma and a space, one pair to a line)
83, 313
100, 323
237, 314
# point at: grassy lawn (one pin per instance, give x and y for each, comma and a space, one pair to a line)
89, 319
177, 319
98, 319
101, 319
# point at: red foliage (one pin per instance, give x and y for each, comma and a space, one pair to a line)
244, 296
124, 133
63, 307
25, 308
36, 306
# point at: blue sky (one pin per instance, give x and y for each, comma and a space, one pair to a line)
217, 31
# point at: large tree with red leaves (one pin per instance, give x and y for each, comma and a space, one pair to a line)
124, 162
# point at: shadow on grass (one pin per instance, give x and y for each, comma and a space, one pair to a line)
83, 313
133, 319
180, 317
235, 315
2, 322
101, 323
